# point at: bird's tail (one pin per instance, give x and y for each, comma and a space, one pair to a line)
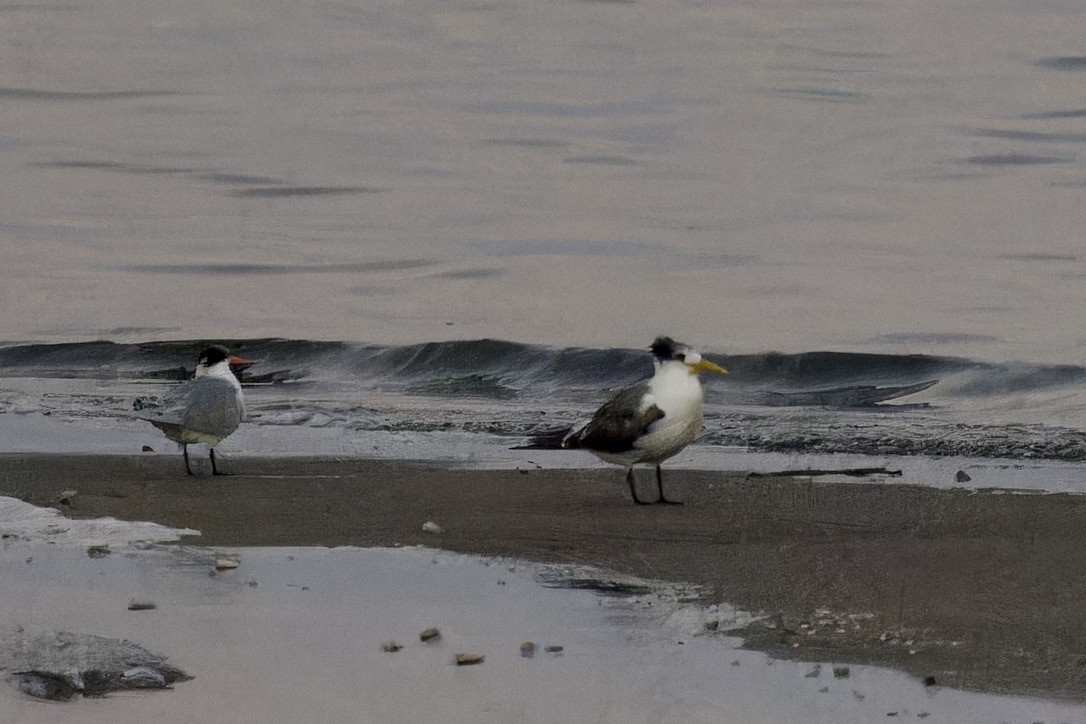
549, 439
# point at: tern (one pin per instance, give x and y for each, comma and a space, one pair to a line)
206, 408
647, 422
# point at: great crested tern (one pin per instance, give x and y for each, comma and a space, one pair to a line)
647, 422
206, 408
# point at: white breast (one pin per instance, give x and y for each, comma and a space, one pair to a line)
677, 392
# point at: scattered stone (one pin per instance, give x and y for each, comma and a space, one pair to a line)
432, 527
554, 649
824, 690
252, 583
930, 681
858, 695
148, 448
98, 551
841, 672
891, 713
962, 477
430, 634
225, 562
465, 659
527, 649
135, 605
735, 663
391, 647
67, 495
814, 673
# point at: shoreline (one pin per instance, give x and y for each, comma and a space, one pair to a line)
971, 589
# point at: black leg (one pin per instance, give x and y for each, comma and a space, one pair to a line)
214, 470
660, 487
185, 452
633, 487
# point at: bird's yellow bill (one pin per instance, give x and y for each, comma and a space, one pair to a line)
704, 365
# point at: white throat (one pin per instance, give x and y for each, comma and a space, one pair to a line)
676, 384
220, 370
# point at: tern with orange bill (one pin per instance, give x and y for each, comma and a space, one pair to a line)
647, 422
205, 409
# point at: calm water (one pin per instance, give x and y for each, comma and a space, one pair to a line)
860, 176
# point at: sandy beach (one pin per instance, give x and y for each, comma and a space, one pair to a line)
969, 589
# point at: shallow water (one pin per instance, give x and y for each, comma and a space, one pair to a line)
786, 175
295, 634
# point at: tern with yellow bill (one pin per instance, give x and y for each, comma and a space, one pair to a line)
206, 408
647, 422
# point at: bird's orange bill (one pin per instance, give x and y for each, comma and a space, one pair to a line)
240, 361
704, 365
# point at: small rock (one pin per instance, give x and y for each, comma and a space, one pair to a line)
527, 649
430, 634
859, 696
391, 647
553, 649
135, 605
824, 690
814, 673
962, 477
66, 497
148, 448
465, 659
98, 551
432, 527
930, 681
841, 672
225, 563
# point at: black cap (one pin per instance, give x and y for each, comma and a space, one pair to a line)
665, 348
213, 355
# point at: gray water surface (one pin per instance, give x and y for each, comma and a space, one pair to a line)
778, 175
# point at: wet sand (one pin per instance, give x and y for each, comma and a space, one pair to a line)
980, 590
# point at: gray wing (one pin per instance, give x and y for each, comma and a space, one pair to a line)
619, 422
204, 404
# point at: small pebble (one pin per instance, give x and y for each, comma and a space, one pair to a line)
391, 647
430, 634
148, 448
98, 551
432, 527
553, 649
135, 605
469, 659
962, 477
225, 563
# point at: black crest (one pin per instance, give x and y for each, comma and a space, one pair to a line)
213, 355
665, 348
